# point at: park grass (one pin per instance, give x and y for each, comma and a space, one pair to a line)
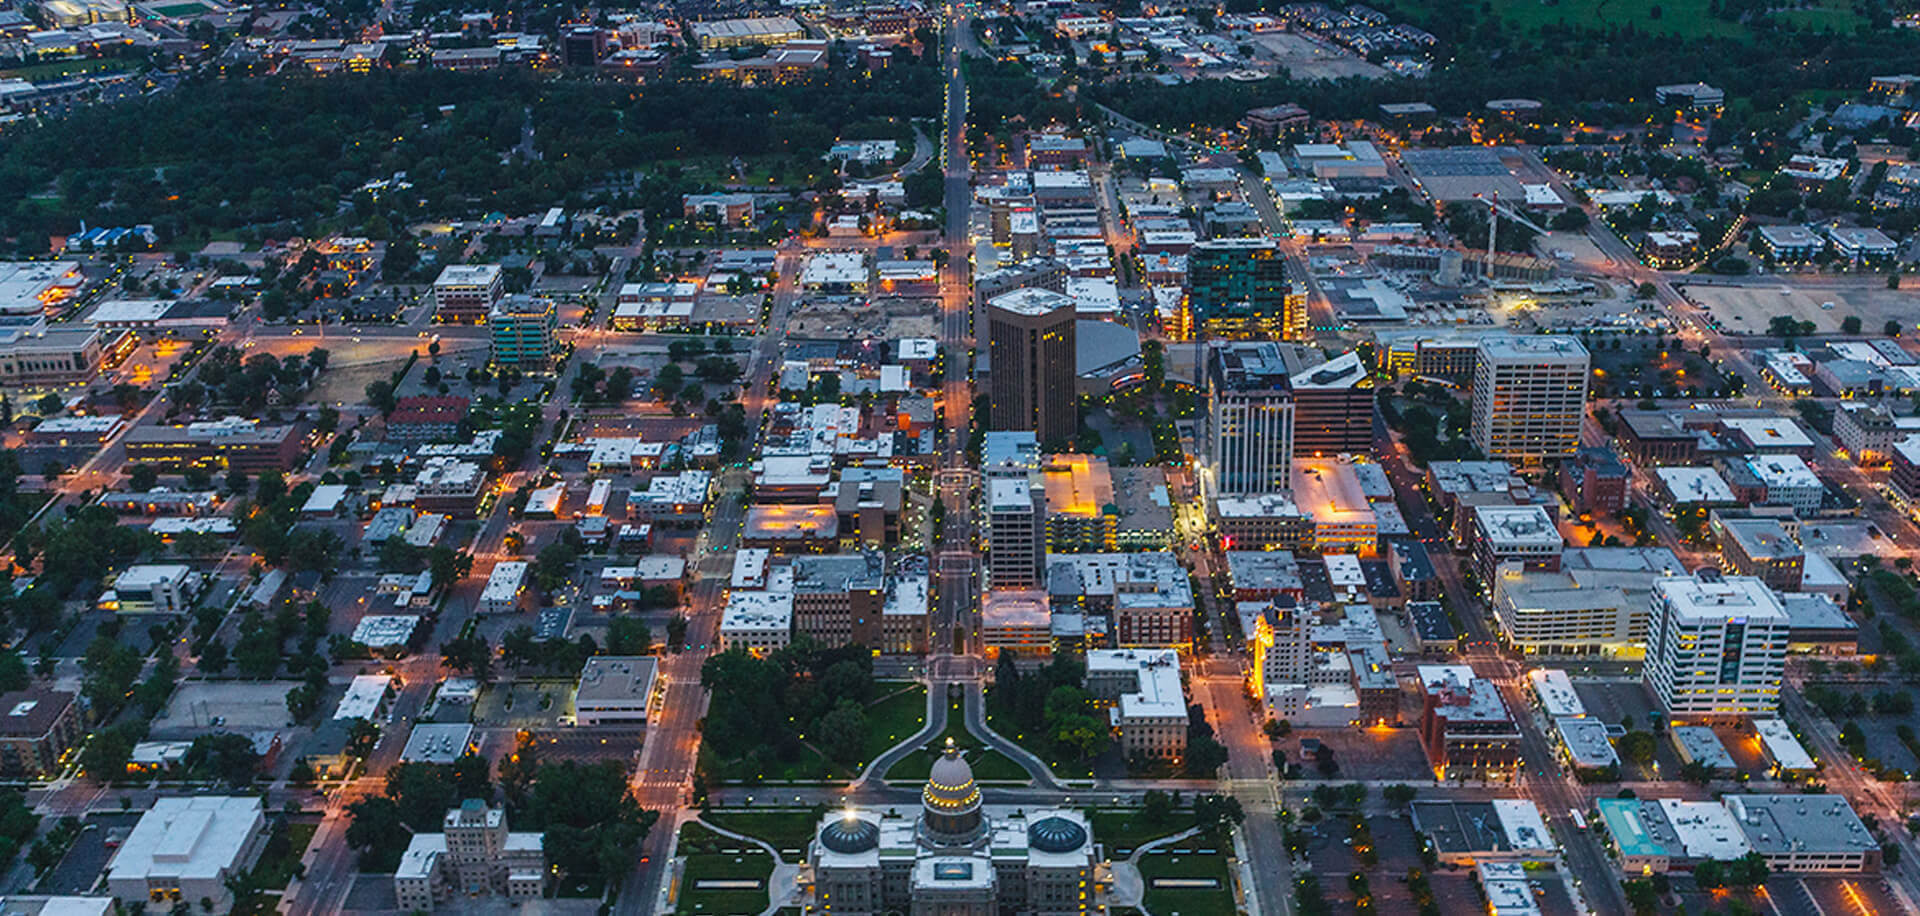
1038, 747
277, 872
783, 830
718, 170
1122, 830
47, 71
899, 714
988, 765
1684, 19
1215, 901
710, 861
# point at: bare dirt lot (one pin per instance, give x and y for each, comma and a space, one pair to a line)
1305, 59
1748, 308
881, 320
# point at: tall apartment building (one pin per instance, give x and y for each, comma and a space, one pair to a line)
523, 329
474, 855
1717, 646
1016, 533
1529, 397
1239, 288
1148, 708
38, 726
466, 293
1250, 419
1030, 346
1333, 408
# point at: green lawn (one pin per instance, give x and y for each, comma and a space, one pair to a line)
812, 766
768, 171
275, 872
1214, 901
1122, 830
783, 830
1040, 749
1679, 18
712, 856
47, 71
988, 765
896, 716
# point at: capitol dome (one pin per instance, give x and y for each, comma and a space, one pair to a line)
950, 802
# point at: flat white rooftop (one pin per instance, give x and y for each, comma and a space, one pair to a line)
1696, 601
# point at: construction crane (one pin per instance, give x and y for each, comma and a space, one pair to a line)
1494, 209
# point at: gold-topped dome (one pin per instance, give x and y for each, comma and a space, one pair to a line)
950, 783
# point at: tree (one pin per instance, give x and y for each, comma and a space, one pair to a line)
423, 792
106, 754
448, 565
227, 757
378, 832
677, 632
1642, 897
1891, 328
1850, 324
842, 733
593, 826
469, 654
1156, 807
213, 657
1399, 795
362, 735
628, 636
380, 395
1637, 746
1215, 811
143, 477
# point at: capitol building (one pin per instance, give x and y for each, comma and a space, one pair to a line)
953, 859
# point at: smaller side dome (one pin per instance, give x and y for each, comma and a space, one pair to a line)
1056, 834
850, 834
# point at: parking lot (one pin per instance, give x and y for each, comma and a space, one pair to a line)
1370, 753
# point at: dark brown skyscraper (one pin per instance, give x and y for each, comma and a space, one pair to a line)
1030, 352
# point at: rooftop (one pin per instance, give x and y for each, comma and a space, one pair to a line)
1760, 538
1033, 302
1533, 347
612, 678
1694, 484
1703, 746
437, 742
1709, 598
1776, 737
1517, 526
1705, 830
1586, 742
1157, 672
201, 837
1800, 824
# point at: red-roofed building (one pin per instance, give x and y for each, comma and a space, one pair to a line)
426, 419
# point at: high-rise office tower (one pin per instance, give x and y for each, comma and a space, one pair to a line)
1250, 419
1716, 647
1333, 409
1529, 397
1030, 347
1016, 533
1239, 288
